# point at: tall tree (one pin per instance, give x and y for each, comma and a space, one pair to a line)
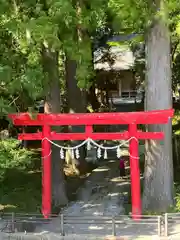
41, 30
79, 61
152, 19
158, 176
50, 58
76, 97
34, 30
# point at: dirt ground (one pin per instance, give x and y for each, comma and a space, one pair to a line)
74, 181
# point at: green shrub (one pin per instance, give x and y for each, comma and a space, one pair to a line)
177, 199
20, 180
13, 157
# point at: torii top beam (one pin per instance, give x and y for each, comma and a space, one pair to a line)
148, 117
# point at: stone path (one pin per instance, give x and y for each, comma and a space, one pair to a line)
101, 195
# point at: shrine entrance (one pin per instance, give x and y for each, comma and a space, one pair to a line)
133, 135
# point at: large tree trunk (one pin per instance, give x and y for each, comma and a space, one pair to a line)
92, 98
76, 104
52, 105
158, 176
76, 96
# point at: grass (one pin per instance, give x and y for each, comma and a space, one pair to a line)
21, 192
176, 123
20, 181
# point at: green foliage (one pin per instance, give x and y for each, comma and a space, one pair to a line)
5, 106
59, 24
20, 191
13, 157
65, 26
176, 207
176, 123
131, 15
20, 182
20, 72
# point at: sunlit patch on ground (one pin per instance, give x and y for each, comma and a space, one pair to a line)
4, 207
95, 228
101, 169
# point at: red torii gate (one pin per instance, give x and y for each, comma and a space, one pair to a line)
132, 119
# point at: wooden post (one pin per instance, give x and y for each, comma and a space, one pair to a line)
113, 226
12, 222
62, 225
159, 226
166, 224
89, 129
135, 173
46, 172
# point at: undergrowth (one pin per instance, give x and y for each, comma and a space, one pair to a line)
176, 207
11, 156
20, 181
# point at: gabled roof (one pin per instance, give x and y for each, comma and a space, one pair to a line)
122, 57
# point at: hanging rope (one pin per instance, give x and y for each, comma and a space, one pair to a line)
101, 150
47, 155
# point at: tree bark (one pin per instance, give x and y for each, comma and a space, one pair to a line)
76, 104
92, 98
158, 175
76, 96
52, 105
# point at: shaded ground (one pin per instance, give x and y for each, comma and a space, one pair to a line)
20, 191
74, 181
95, 195
174, 229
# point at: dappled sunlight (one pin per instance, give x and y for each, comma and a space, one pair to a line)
34, 172
97, 213
125, 152
111, 161
95, 228
88, 205
101, 170
113, 194
117, 179
7, 206
123, 184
